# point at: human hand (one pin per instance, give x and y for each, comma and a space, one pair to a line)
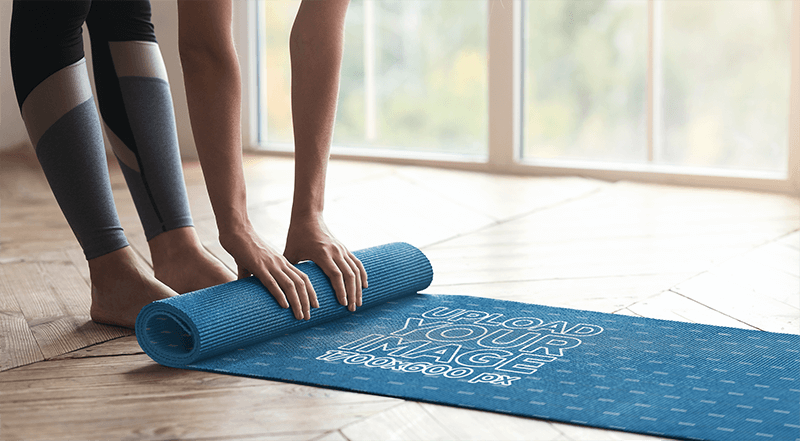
309, 239
287, 284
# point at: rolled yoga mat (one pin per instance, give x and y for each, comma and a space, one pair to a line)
657, 377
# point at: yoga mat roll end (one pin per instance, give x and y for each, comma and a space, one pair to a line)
167, 334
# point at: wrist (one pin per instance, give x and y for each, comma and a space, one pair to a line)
307, 224
306, 216
233, 226
232, 220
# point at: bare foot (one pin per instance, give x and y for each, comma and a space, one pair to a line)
183, 264
121, 286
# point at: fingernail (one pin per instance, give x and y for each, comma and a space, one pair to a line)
352, 308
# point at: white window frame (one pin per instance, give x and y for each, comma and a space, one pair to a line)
505, 115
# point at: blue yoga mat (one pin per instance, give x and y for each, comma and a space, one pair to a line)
634, 374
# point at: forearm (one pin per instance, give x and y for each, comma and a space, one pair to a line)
316, 46
213, 94
213, 89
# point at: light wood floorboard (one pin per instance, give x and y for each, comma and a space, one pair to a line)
721, 257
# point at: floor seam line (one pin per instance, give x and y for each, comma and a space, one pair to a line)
713, 309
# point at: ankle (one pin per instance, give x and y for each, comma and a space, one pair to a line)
108, 264
169, 245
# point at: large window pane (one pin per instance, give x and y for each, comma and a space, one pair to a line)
414, 76
725, 70
585, 79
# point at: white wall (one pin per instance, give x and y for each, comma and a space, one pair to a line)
165, 19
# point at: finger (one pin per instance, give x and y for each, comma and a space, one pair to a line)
360, 273
349, 280
357, 276
272, 286
290, 291
312, 293
331, 270
362, 270
300, 288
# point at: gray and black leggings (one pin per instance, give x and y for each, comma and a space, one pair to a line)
53, 91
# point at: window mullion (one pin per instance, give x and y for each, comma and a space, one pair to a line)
793, 163
502, 87
370, 107
654, 80
248, 35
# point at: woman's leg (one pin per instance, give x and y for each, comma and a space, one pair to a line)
55, 98
52, 88
136, 105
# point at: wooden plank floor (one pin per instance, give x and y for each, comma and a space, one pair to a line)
720, 257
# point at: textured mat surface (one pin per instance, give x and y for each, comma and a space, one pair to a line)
639, 375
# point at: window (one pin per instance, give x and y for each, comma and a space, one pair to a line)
585, 80
691, 91
715, 92
413, 77
724, 84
